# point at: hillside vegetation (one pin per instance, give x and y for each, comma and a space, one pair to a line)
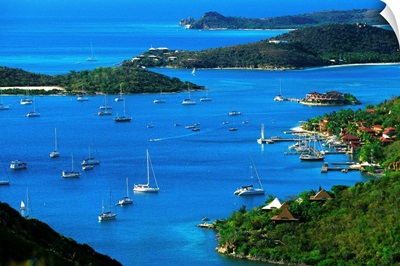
358, 226
214, 20
100, 80
309, 47
32, 242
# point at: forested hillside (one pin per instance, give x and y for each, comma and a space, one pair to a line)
214, 20
100, 80
32, 242
359, 225
309, 47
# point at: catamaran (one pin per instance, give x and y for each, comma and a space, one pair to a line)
251, 190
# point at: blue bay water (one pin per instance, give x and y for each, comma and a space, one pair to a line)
197, 171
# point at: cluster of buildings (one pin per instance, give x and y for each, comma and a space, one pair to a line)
328, 98
384, 134
285, 215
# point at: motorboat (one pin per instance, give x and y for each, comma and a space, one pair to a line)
17, 164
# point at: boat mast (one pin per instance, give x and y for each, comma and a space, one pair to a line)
148, 168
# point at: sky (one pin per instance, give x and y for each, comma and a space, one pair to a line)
175, 9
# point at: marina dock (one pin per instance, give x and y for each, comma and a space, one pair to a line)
325, 167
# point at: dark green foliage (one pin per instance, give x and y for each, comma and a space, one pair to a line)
214, 20
32, 242
104, 80
331, 44
358, 226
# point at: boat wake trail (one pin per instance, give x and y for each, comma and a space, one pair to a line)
182, 136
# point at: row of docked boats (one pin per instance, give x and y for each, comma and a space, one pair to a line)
307, 147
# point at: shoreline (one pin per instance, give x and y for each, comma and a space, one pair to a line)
29, 88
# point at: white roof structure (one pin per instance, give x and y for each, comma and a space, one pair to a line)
275, 204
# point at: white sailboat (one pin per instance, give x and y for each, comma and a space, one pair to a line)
193, 71
25, 208
147, 187
251, 190
106, 215
33, 113
312, 153
125, 200
82, 97
120, 98
123, 118
262, 139
105, 109
26, 100
90, 160
188, 101
55, 153
72, 173
279, 97
92, 57
206, 98
161, 99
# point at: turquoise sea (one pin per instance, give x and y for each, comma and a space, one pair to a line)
197, 171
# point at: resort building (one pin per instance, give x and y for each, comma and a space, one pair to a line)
285, 215
328, 98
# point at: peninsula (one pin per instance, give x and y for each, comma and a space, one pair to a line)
214, 20
333, 44
100, 80
354, 225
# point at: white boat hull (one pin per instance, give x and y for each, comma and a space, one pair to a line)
107, 216
67, 174
145, 188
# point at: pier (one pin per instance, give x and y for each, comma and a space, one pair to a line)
325, 167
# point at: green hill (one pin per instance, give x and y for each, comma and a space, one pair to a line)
32, 242
359, 225
309, 47
214, 20
99, 80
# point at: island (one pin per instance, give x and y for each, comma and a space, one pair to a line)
214, 20
316, 46
102, 80
331, 98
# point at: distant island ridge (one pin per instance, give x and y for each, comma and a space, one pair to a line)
313, 46
214, 20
